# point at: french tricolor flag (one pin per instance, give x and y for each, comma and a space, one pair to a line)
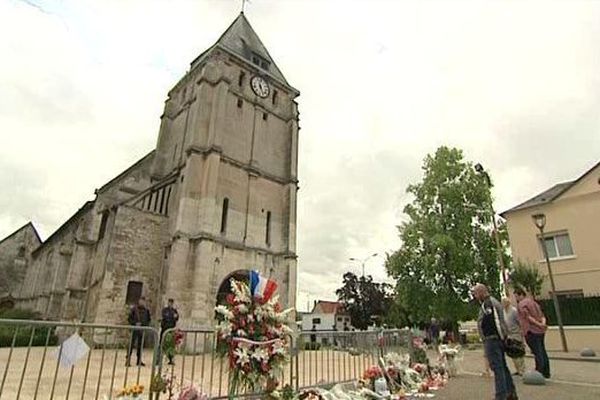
261, 287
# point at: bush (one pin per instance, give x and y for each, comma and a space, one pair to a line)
473, 338
527, 277
312, 346
23, 334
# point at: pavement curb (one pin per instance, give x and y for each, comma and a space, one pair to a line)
567, 358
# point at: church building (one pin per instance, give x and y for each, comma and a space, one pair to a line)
214, 199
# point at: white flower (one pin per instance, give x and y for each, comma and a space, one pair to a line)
242, 308
241, 291
242, 355
279, 347
224, 311
261, 354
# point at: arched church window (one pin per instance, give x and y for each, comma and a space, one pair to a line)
241, 78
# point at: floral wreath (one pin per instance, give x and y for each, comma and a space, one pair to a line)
252, 335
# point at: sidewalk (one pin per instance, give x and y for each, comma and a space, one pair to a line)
468, 387
569, 356
576, 370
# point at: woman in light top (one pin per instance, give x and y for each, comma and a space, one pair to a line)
511, 317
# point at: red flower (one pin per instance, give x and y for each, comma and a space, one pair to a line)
264, 366
372, 373
230, 299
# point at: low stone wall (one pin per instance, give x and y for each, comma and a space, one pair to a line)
578, 337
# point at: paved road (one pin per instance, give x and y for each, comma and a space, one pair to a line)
470, 387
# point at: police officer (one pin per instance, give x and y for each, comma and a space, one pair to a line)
139, 315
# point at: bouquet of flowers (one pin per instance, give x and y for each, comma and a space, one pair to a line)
130, 392
252, 334
191, 393
372, 373
449, 357
172, 342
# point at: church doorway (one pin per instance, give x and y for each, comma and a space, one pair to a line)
225, 288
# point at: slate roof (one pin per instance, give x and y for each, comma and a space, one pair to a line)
549, 195
542, 198
241, 40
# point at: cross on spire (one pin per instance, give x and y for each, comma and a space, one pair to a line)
244, 4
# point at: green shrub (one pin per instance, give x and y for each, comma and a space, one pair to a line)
526, 277
23, 333
473, 338
312, 346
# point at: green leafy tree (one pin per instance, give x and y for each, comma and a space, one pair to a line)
365, 300
447, 242
527, 277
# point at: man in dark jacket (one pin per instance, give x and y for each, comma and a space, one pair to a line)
493, 332
170, 316
139, 315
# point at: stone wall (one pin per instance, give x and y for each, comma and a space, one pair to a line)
135, 253
15, 257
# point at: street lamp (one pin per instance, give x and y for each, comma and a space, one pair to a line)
481, 171
363, 261
539, 220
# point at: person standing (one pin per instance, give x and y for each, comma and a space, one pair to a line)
511, 318
533, 324
492, 330
139, 315
170, 316
434, 333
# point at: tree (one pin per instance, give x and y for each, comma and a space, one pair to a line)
365, 300
527, 277
447, 242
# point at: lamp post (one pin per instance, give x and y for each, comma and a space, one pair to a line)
363, 261
539, 220
481, 171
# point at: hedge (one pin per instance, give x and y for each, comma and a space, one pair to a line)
7, 332
574, 311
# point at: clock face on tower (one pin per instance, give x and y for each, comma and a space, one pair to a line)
260, 86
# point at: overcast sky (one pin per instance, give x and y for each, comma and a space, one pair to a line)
515, 84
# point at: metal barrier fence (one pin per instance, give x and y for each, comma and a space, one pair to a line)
32, 367
317, 358
326, 358
39, 362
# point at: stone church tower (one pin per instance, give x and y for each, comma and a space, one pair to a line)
216, 198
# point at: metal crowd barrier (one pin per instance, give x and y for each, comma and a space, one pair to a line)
327, 358
31, 354
30, 365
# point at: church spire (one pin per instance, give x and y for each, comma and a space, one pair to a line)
241, 40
